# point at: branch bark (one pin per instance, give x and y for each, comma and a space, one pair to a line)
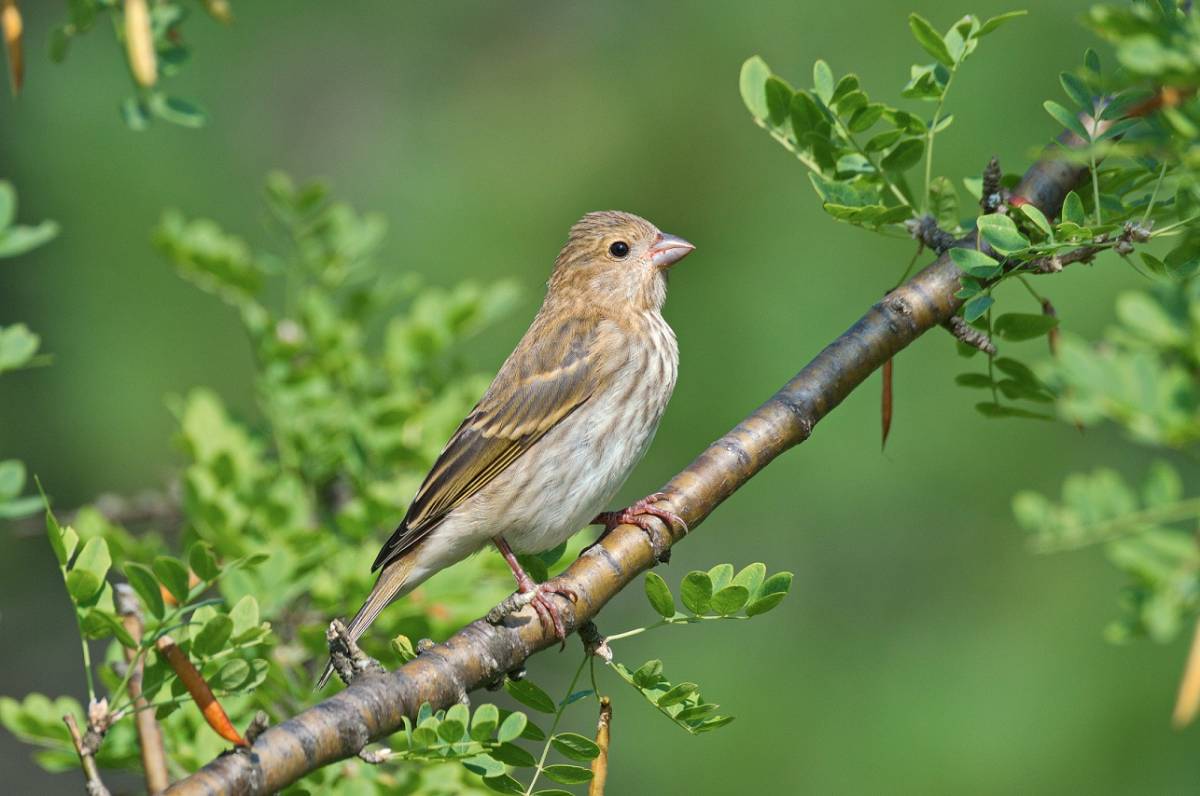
375, 704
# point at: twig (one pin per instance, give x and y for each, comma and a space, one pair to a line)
926, 230
348, 660
86, 747
600, 763
154, 757
1188, 701
594, 643
966, 333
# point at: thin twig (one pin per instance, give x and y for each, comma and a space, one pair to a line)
600, 763
1188, 701
154, 756
968, 334
85, 747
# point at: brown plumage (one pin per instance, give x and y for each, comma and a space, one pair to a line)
572, 410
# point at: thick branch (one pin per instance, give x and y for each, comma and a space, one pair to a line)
374, 705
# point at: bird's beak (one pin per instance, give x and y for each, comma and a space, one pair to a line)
668, 250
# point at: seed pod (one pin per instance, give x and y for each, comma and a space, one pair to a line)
139, 43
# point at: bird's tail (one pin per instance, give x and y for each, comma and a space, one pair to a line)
391, 581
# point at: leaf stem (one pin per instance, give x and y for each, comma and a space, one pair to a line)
1119, 526
931, 133
562, 706
1154, 195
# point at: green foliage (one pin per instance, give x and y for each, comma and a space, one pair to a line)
858, 181
358, 386
18, 345
166, 39
1147, 533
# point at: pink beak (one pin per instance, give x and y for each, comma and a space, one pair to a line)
668, 250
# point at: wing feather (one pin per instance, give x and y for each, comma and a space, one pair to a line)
552, 372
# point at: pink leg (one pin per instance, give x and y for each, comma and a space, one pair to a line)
637, 515
547, 611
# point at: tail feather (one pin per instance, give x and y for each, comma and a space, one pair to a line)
391, 581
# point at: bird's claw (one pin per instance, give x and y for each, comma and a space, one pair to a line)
538, 595
638, 515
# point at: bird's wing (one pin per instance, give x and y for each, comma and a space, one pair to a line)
550, 375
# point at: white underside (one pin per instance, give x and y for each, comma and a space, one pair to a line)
570, 475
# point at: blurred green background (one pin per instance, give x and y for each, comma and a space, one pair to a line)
924, 650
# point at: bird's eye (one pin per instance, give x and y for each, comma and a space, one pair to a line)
619, 249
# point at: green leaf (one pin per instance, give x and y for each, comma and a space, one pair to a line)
720, 575
504, 784
995, 410
730, 600
575, 746
970, 259
94, 558
779, 101
659, 595
102, 624
174, 575
696, 592
1067, 119
568, 774
1077, 90
973, 380
178, 111
485, 721
245, 616
772, 592
904, 155
751, 83
679, 693
135, 113
823, 81
22, 238
997, 21
1039, 219
1092, 61
12, 479
1018, 371
1001, 233
452, 730
83, 585
203, 562
976, 307
1018, 326
513, 755
512, 727
929, 39
751, 577
529, 695
212, 637
8, 204
146, 585
17, 346
54, 533
1072, 210
484, 765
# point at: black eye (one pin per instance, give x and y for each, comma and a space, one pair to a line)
620, 249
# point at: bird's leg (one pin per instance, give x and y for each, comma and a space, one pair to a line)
638, 515
547, 611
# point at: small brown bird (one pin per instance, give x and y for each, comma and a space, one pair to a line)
570, 413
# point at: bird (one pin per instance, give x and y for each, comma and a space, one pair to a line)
569, 414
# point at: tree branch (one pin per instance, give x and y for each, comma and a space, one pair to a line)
374, 705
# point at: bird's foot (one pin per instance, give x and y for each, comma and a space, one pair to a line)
639, 514
540, 595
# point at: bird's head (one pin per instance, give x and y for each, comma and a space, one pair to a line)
617, 258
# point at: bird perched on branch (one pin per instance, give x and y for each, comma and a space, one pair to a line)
570, 413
